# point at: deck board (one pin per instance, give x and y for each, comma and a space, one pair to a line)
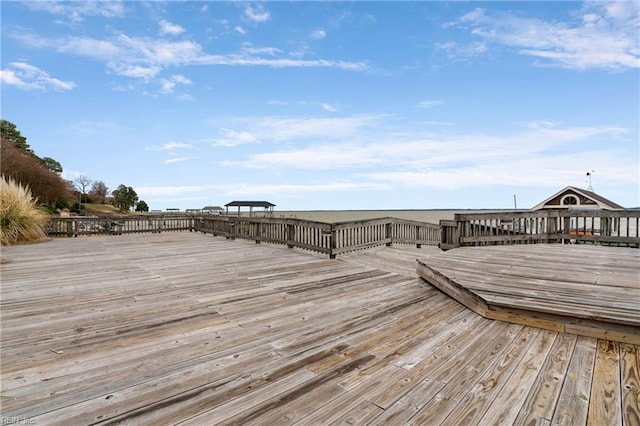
188, 328
594, 291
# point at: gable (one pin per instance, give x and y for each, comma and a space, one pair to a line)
571, 197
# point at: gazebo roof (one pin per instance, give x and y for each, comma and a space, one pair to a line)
250, 204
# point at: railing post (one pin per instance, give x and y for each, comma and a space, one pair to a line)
70, 228
450, 231
566, 226
291, 234
333, 243
258, 229
232, 229
388, 233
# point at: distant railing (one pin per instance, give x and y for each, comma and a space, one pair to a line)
90, 225
310, 235
331, 239
606, 227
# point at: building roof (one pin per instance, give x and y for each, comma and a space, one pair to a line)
599, 200
250, 204
212, 208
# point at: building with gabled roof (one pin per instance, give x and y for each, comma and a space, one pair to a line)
571, 197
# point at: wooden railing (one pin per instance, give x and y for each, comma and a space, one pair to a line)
292, 232
620, 227
89, 225
469, 229
331, 239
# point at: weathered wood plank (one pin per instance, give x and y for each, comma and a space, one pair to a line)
515, 391
291, 408
630, 384
584, 290
481, 395
542, 395
174, 327
605, 404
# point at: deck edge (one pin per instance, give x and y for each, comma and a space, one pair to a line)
560, 323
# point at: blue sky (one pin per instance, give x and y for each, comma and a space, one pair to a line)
330, 105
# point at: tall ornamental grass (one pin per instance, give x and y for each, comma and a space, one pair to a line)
20, 218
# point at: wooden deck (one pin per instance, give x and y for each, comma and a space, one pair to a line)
580, 289
185, 328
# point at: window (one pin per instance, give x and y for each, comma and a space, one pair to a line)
569, 200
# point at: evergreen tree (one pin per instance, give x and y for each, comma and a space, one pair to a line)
10, 133
124, 197
142, 206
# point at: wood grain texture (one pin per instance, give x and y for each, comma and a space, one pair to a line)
630, 384
586, 290
189, 328
605, 404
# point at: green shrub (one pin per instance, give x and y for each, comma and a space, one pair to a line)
20, 219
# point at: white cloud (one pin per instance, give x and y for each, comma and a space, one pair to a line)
91, 48
316, 157
475, 15
329, 107
77, 11
277, 129
297, 189
135, 71
257, 13
437, 123
233, 138
255, 190
177, 160
540, 153
462, 51
29, 77
167, 27
145, 58
268, 51
178, 78
533, 171
164, 191
239, 30
428, 104
168, 84
603, 35
318, 34
169, 146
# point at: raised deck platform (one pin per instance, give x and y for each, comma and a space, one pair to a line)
193, 329
586, 290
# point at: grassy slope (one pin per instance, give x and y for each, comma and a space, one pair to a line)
101, 209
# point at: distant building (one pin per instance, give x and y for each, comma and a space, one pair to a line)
268, 207
212, 210
576, 198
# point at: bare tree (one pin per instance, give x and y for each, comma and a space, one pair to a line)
98, 192
82, 182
